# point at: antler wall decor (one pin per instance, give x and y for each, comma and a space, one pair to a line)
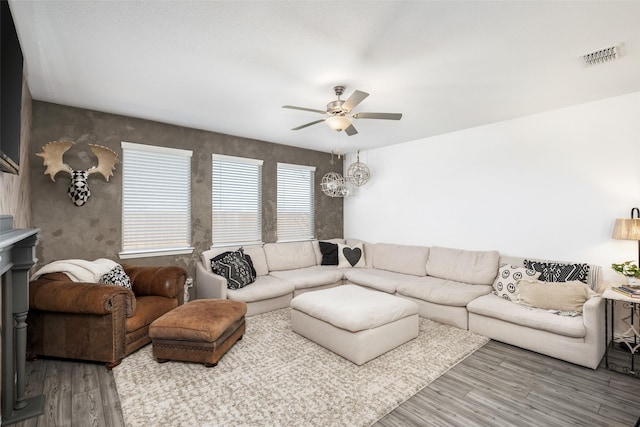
78, 191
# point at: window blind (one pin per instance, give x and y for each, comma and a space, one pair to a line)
295, 202
156, 200
236, 200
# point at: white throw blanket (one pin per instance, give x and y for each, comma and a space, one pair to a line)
78, 270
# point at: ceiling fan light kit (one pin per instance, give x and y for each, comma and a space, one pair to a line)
339, 113
338, 122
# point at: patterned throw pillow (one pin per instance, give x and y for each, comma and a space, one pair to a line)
559, 272
506, 284
235, 268
116, 276
351, 256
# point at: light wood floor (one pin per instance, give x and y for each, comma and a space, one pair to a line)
498, 385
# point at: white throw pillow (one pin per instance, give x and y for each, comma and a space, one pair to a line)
506, 284
351, 256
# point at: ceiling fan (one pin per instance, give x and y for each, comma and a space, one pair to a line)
340, 115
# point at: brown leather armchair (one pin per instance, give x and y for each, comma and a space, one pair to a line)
102, 323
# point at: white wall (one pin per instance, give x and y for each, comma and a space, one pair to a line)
547, 186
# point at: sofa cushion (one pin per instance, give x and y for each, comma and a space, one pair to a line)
148, 309
255, 252
258, 259
310, 277
318, 252
401, 258
381, 280
265, 287
369, 249
116, 276
498, 308
506, 284
565, 296
559, 272
351, 256
474, 267
290, 255
235, 267
329, 253
442, 291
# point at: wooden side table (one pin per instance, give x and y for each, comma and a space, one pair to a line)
631, 344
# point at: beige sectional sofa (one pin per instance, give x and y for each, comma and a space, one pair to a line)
451, 286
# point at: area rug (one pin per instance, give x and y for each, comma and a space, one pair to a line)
275, 377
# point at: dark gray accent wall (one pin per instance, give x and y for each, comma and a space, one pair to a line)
94, 230
15, 190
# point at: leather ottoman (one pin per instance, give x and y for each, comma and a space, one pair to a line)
199, 331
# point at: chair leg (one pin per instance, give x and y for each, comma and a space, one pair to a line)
111, 365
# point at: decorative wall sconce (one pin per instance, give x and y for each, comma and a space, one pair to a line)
358, 173
78, 191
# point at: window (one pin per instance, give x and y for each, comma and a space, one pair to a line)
156, 201
236, 201
295, 202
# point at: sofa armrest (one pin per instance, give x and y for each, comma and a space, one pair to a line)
158, 281
209, 285
65, 296
593, 314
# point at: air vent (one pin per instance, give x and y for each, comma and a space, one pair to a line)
602, 55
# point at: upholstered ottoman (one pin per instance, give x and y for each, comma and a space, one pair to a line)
358, 324
199, 331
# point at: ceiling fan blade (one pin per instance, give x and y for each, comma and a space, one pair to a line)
383, 116
356, 98
313, 110
351, 130
308, 124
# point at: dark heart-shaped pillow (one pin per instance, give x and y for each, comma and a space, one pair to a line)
351, 256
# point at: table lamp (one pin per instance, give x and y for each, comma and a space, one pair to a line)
628, 228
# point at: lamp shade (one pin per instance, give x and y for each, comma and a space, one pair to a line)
338, 122
627, 229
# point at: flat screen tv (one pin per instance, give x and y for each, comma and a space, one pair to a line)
10, 92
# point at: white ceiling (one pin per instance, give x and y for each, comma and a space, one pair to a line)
229, 66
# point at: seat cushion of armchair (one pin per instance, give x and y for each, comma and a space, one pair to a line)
310, 277
265, 287
442, 291
493, 306
381, 280
148, 309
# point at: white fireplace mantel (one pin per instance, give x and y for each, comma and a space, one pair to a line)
17, 256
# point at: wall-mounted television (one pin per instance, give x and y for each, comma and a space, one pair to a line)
10, 92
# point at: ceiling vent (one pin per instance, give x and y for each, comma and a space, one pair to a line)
602, 55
